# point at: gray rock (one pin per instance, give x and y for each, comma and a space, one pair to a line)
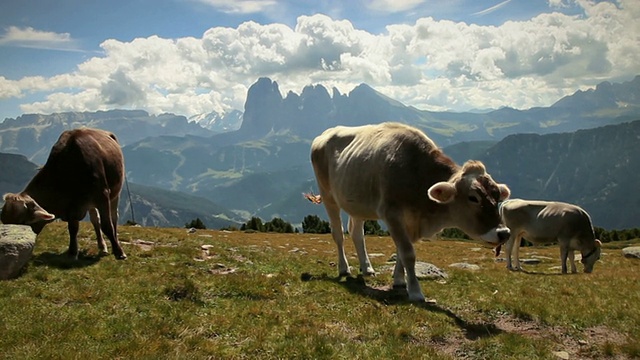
423, 271
429, 271
465, 266
16, 246
631, 252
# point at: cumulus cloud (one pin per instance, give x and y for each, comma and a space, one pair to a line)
431, 64
32, 38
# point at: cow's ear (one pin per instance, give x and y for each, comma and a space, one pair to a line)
42, 214
442, 192
504, 192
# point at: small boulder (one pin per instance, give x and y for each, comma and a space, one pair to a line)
465, 266
16, 246
423, 271
631, 252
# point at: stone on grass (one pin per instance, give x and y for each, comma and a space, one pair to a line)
16, 246
631, 252
465, 266
423, 271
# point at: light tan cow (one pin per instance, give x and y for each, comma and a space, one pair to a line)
84, 172
395, 173
543, 222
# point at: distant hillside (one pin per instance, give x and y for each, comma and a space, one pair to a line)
15, 172
598, 169
33, 135
157, 207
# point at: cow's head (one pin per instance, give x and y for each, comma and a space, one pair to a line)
473, 197
589, 258
21, 209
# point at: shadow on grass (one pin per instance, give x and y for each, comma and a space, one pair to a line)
398, 296
542, 273
63, 261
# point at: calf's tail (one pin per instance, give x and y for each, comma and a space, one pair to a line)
316, 199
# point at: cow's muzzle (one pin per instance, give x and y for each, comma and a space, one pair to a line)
503, 235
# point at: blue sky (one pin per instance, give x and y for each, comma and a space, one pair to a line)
196, 56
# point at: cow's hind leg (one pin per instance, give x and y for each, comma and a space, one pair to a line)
356, 229
95, 221
109, 222
73, 226
337, 233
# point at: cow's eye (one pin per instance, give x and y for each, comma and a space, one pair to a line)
474, 199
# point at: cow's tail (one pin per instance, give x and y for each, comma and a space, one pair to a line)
316, 199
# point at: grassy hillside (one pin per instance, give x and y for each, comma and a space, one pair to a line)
275, 296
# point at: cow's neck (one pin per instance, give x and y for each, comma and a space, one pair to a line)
40, 187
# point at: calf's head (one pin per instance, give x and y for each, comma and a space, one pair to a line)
472, 197
589, 258
21, 209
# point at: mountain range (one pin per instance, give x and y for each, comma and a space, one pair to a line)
580, 149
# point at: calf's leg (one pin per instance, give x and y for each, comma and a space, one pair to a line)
516, 250
356, 229
564, 253
509, 247
572, 261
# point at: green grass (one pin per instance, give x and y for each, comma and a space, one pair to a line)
276, 296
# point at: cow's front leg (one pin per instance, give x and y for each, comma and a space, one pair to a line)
509, 247
571, 257
73, 226
564, 253
356, 229
516, 251
399, 281
407, 257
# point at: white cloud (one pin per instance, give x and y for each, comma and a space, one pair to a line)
241, 6
492, 9
392, 6
32, 38
431, 64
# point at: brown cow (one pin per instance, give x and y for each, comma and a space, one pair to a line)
396, 173
84, 172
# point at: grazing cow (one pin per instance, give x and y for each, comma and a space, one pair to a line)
544, 222
395, 173
84, 172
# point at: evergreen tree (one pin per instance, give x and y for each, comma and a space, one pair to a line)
312, 224
196, 223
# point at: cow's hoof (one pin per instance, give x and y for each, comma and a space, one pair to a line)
417, 298
121, 257
103, 252
368, 272
344, 274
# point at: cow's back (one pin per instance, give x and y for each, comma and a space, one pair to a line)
547, 221
363, 167
82, 165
